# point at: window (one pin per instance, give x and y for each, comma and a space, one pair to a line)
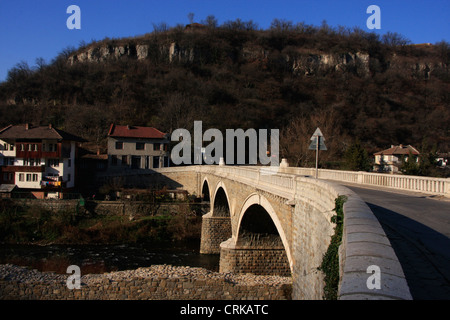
114, 160
124, 160
35, 147
157, 146
155, 162
22, 147
8, 161
53, 162
11, 147
140, 146
69, 177
69, 163
135, 162
52, 147
5, 177
119, 145
21, 176
30, 146
35, 177
28, 177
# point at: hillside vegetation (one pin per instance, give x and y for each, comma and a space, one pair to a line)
354, 85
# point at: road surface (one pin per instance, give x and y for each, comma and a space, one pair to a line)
419, 230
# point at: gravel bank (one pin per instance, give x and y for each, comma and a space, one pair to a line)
155, 282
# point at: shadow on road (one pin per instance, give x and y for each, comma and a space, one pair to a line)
423, 253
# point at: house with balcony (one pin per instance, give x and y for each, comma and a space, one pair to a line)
133, 147
37, 159
389, 160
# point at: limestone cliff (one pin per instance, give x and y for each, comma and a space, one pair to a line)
299, 60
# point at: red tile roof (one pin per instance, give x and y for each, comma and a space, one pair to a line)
400, 150
135, 132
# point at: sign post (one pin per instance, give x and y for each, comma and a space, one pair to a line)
317, 143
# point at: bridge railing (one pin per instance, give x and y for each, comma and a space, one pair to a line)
261, 177
430, 185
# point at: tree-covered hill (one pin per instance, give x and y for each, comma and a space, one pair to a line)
294, 77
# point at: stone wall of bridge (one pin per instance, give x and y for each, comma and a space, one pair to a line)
215, 230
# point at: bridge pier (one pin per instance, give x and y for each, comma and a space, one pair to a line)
263, 259
215, 230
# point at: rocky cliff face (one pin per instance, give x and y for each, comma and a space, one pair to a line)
311, 64
109, 52
300, 63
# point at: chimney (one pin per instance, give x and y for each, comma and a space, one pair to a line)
50, 126
401, 146
27, 126
128, 127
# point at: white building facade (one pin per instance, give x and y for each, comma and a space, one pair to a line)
132, 147
391, 159
38, 159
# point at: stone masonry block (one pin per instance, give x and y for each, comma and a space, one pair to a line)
390, 286
361, 264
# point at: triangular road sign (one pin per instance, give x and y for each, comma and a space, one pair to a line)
317, 133
317, 136
313, 145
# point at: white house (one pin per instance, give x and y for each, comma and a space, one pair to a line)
390, 159
38, 159
133, 147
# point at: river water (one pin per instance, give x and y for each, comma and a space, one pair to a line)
107, 258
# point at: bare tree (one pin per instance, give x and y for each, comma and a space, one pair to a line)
160, 27
395, 39
191, 17
210, 21
295, 138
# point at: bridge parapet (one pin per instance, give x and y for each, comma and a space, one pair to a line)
438, 186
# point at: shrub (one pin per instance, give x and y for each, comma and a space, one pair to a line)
330, 261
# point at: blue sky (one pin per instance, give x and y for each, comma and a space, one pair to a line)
30, 29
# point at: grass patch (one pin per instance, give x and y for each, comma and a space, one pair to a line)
330, 261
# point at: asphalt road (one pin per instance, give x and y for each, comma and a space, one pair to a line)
419, 230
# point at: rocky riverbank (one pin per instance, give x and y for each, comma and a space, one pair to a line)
159, 282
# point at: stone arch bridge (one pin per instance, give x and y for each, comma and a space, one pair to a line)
266, 220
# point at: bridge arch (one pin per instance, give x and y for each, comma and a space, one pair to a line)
216, 225
206, 193
221, 206
257, 208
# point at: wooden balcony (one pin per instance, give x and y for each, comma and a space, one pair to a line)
24, 151
35, 169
